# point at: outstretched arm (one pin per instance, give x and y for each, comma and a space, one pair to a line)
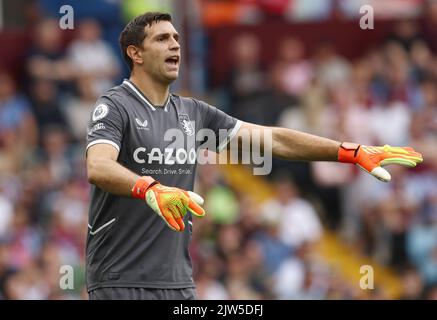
290, 144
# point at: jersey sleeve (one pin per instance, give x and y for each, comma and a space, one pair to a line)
217, 120
105, 124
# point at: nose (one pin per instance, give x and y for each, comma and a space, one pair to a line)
175, 45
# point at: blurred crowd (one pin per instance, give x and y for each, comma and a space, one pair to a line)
241, 250
43, 186
250, 12
388, 95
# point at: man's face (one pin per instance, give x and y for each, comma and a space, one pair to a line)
161, 52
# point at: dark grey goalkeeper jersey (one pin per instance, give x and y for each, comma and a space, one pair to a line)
129, 245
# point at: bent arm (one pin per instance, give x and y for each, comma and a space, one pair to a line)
290, 144
105, 172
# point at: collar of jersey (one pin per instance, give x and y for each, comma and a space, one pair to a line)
143, 97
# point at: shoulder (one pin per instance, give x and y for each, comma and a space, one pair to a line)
189, 102
116, 97
116, 94
112, 102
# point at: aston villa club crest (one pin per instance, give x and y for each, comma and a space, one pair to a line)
186, 125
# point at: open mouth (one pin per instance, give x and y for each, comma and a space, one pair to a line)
173, 61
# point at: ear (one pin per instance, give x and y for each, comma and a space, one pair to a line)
135, 54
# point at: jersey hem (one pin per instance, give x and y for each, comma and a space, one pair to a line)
153, 285
103, 141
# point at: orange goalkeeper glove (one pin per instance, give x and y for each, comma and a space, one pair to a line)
372, 159
170, 203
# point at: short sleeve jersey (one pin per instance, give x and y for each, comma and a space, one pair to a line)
128, 245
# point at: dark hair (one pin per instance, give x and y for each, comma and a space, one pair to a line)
134, 34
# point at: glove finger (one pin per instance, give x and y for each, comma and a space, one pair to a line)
167, 216
177, 215
416, 156
416, 159
180, 222
198, 199
400, 150
378, 172
180, 205
400, 161
194, 204
152, 201
381, 174
412, 152
174, 211
403, 152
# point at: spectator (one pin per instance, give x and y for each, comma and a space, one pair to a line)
6, 213
45, 104
330, 67
412, 284
246, 78
274, 250
56, 155
405, 33
298, 72
299, 220
15, 113
78, 108
92, 57
208, 285
6, 269
46, 59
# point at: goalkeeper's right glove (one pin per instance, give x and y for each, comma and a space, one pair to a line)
170, 203
371, 159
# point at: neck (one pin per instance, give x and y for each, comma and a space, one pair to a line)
155, 91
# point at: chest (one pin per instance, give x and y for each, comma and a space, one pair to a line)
160, 128
161, 136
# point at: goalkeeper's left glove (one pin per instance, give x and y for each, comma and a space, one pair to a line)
371, 159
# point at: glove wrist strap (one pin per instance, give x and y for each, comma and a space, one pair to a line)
141, 186
347, 152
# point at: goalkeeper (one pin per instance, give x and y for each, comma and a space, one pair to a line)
140, 217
